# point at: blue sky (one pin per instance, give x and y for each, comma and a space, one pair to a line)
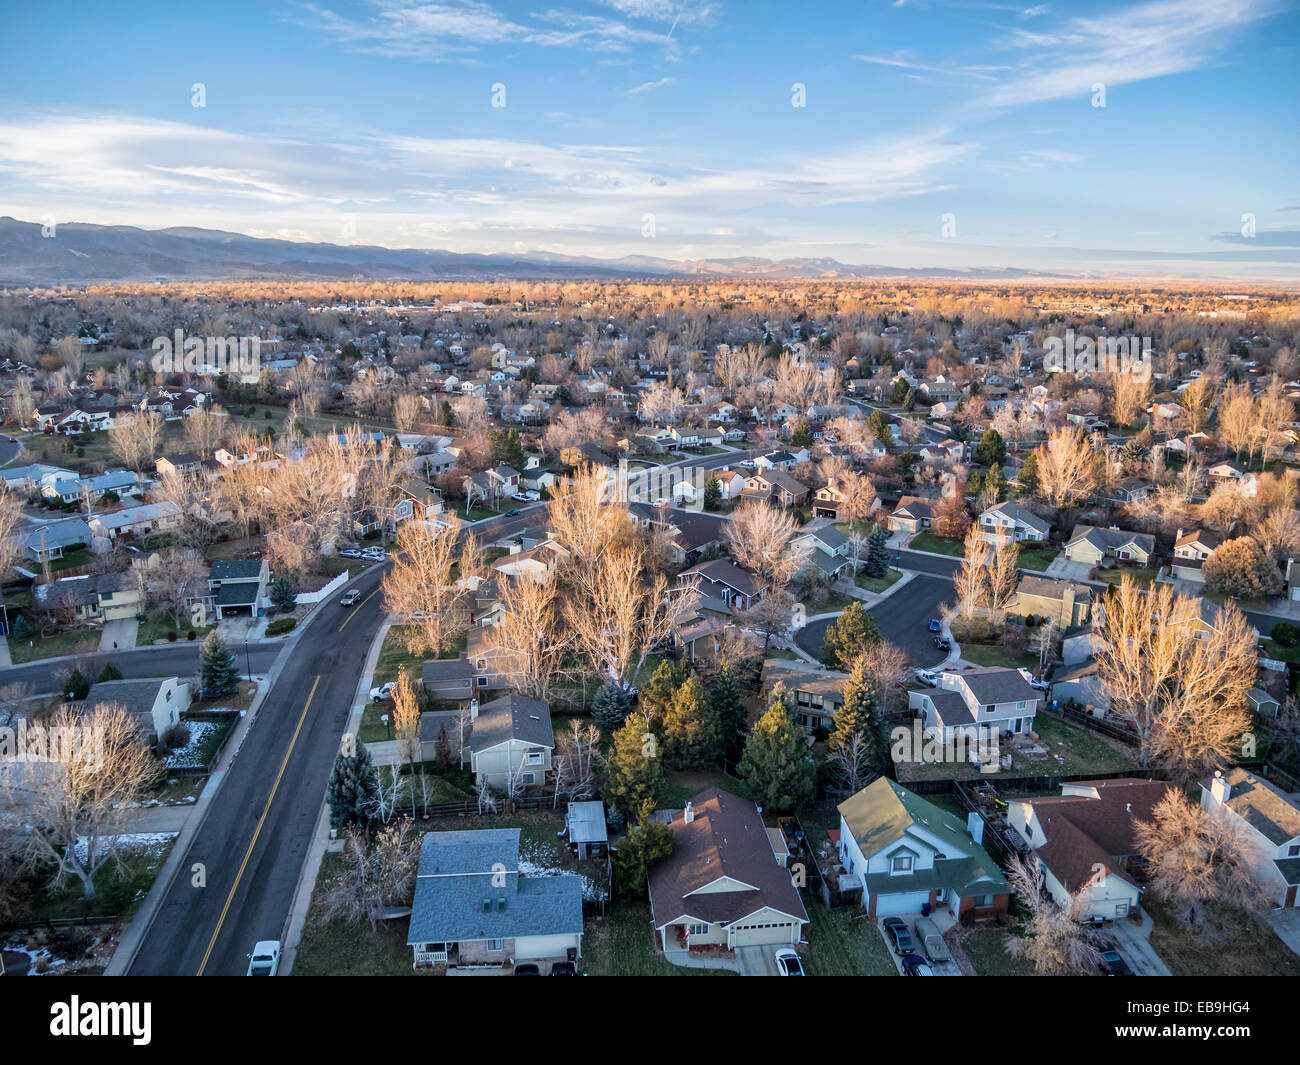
667, 129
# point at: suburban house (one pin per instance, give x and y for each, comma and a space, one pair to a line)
155, 703
1065, 602
977, 698
507, 742
817, 692
827, 551
1090, 545
699, 631
473, 907
828, 500
1008, 523
912, 515
775, 487
237, 585
724, 885
1271, 820
910, 856
724, 580
539, 562
136, 521
51, 540
1085, 843
179, 463
1191, 549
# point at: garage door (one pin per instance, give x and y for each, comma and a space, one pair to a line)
901, 902
752, 935
543, 946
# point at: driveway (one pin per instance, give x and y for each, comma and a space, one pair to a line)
757, 961
119, 635
1134, 945
1286, 923
1061, 568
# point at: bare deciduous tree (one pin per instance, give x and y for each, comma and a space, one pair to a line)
1056, 939
1068, 469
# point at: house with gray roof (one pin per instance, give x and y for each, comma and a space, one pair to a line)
974, 698
1006, 523
474, 908
53, 538
1270, 820
155, 703
1091, 545
510, 742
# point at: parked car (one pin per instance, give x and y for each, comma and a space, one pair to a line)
530, 496
943, 643
788, 963
564, 968
350, 552
527, 969
265, 959
915, 965
936, 625
383, 692
1039, 685
513, 513
1114, 965
926, 676
350, 598
898, 935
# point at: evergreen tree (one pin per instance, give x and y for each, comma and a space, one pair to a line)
507, 448
76, 687
848, 636
109, 672
442, 749
692, 732
730, 711
647, 842
658, 695
996, 483
777, 766
634, 772
217, 670
447, 414
712, 492
859, 715
802, 435
879, 427
877, 561
283, 596
1029, 475
991, 450
22, 628
353, 787
610, 706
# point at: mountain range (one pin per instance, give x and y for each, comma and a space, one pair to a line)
79, 253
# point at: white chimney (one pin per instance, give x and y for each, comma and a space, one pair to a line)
688, 815
473, 709
975, 826
1220, 788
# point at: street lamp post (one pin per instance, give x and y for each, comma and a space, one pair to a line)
247, 661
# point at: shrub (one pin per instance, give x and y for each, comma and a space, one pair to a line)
191, 635
1284, 633
176, 737
171, 636
281, 626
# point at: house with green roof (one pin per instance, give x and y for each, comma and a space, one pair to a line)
909, 856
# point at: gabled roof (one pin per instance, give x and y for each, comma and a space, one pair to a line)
725, 571
513, 717
1262, 806
726, 838
1021, 516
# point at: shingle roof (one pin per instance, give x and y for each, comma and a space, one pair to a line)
235, 569
1262, 806
996, 684
513, 717
459, 870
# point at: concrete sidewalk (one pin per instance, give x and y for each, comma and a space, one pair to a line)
158, 818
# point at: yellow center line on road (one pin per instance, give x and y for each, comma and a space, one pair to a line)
358, 607
258, 831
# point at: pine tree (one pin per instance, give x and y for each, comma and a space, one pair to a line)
712, 492
859, 713
991, 450
692, 733
610, 706
647, 842
217, 670
877, 562
777, 766
658, 695
848, 636
353, 787
76, 687
1028, 477
634, 773
283, 597
730, 711
996, 483
109, 672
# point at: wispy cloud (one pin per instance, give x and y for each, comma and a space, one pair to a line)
650, 86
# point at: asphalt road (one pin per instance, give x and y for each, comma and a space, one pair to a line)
8, 450
256, 834
180, 659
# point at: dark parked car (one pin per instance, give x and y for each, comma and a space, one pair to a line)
935, 625
513, 513
1114, 965
564, 968
915, 965
898, 935
526, 970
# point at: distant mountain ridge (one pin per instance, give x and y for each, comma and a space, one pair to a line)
83, 253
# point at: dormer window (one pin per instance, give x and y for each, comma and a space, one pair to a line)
901, 863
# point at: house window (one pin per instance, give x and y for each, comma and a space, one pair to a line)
482, 682
983, 901
697, 930
495, 944
527, 778
1293, 852
901, 864
534, 757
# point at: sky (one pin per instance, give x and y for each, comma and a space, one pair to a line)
958, 135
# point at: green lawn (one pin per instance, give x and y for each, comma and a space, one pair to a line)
832, 604
337, 948
839, 945
994, 655
76, 642
1142, 575
1037, 558
120, 887
622, 944
71, 559
683, 784
1273, 649
156, 626
877, 584
933, 542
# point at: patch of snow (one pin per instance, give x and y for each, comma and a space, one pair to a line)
147, 842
